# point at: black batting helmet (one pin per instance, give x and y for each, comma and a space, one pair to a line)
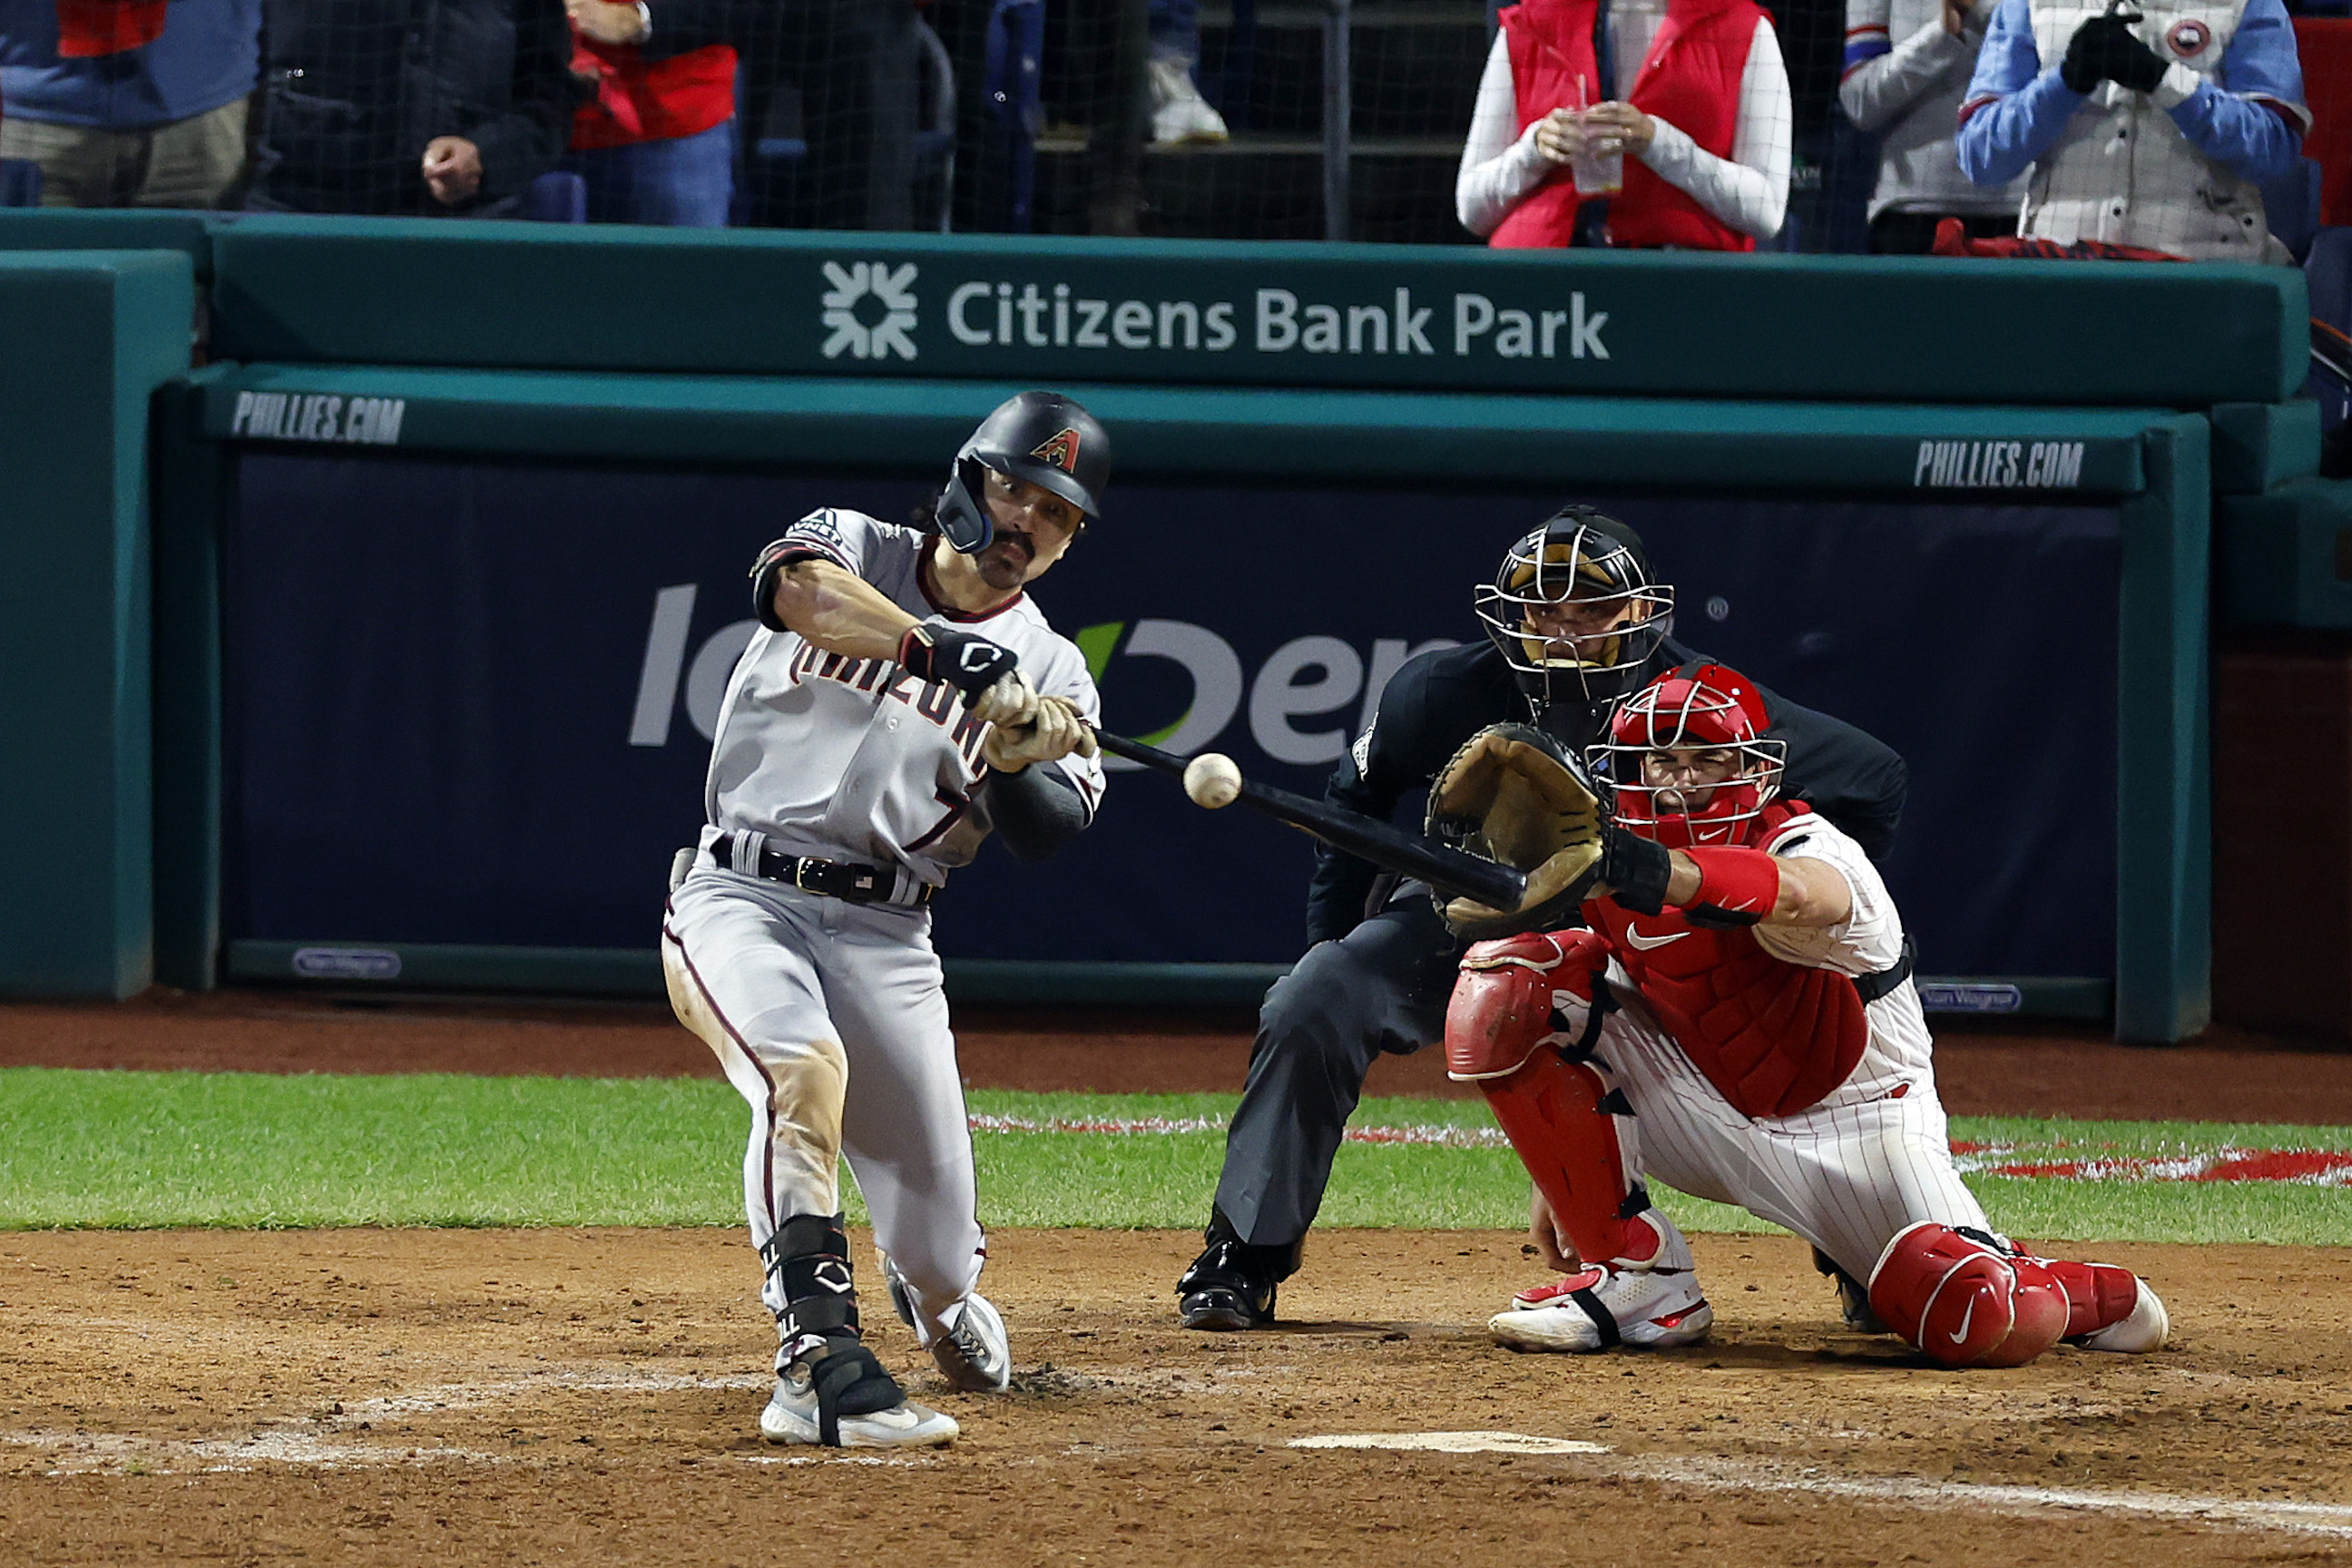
1583, 556
1041, 436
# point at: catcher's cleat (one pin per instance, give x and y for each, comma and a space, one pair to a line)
974, 1354
1652, 1302
1854, 1297
838, 1395
2144, 1329
1225, 1288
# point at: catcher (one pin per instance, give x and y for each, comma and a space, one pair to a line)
1740, 990
1575, 620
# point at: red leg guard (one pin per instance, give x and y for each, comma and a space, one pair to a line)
1554, 1112
2098, 1294
1964, 1301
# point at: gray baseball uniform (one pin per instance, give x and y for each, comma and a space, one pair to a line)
828, 1015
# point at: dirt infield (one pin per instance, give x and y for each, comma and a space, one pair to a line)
549, 1396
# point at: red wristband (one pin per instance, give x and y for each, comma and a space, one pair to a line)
1737, 887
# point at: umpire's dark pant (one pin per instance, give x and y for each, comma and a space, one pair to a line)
1382, 987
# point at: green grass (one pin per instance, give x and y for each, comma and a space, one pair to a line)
122, 1149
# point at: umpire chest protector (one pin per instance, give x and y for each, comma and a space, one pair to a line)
2122, 173
1773, 1037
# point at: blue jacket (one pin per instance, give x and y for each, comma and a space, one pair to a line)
208, 55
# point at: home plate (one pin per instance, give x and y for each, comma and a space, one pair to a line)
1454, 1443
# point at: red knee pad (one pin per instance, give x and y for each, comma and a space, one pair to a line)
1966, 1302
1508, 992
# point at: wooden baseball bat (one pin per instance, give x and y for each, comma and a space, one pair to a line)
1450, 871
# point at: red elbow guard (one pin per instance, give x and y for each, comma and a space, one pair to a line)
1737, 887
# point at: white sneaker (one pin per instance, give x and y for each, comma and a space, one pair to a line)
1654, 1303
974, 1354
795, 1412
1178, 113
2144, 1329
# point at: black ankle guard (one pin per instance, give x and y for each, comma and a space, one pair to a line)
810, 1258
848, 1382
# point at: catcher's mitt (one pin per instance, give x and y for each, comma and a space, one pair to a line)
1514, 794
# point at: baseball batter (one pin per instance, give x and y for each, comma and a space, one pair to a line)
1743, 997
904, 699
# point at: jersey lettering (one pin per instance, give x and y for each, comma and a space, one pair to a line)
935, 701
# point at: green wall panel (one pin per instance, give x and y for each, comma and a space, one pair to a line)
85, 337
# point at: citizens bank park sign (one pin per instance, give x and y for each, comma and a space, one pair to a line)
881, 310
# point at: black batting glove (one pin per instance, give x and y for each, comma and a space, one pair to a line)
970, 663
1636, 870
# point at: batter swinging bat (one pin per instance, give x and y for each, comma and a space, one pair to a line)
1450, 871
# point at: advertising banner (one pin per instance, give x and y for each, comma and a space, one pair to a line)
1172, 312
470, 702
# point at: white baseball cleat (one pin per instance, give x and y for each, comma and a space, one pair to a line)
797, 1412
2144, 1329
1178, 113
974, 1355
1654, 1303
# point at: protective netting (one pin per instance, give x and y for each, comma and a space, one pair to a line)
1828, 128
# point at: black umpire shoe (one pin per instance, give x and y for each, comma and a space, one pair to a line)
1231, 1284
1225, 1289
1854, 1298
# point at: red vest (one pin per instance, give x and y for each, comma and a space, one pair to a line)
1774, 1038
90, 29
650, 100
1691, 81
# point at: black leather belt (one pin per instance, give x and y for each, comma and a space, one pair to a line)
832, 878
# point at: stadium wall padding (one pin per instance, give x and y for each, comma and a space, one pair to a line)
771, 302
86, 338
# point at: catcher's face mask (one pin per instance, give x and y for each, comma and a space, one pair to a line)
1573, 608
1686, 762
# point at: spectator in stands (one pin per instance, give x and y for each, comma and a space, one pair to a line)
1909, 93
129, 103
2149, 129
1178, 113
657, 146
1704, 126
432, 107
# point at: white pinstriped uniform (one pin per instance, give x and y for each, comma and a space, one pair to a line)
1846, 1174
854, 760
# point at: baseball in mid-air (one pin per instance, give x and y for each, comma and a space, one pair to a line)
1212, 779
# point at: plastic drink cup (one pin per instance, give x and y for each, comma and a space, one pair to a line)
1596, 173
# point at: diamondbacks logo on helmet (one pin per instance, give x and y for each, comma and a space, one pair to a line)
1061, 450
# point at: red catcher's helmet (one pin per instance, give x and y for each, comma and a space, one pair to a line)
1702, 708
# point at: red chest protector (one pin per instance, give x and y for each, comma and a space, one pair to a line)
1691, 81
1774, 1038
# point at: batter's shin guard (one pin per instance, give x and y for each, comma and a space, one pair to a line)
1521, 1023
818, 1328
